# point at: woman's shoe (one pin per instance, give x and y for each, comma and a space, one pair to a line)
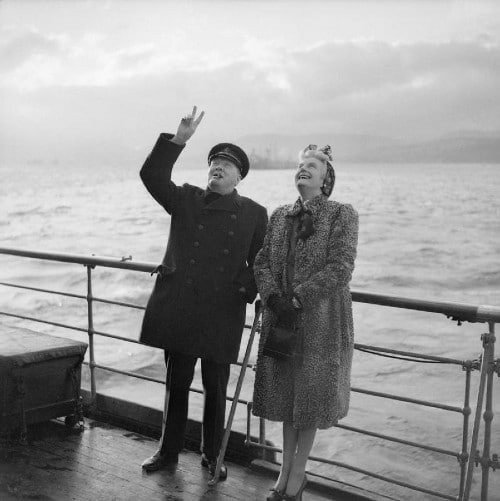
276, 495
298, 495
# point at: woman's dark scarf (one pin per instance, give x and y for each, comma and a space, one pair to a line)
306, 225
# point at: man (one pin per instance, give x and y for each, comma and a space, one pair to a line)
197, 308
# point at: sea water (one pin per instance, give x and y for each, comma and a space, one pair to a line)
426, 231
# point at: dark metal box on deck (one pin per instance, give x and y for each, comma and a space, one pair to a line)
40, 378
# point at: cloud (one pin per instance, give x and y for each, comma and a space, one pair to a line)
395, 88
89, 98
135, 57
18, 48
31, 60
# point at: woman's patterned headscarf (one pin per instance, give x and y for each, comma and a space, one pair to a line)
325, 155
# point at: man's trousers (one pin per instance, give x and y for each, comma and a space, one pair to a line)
180, 372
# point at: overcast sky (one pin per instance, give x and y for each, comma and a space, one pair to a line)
96, 79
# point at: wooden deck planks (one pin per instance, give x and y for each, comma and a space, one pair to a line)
103, 463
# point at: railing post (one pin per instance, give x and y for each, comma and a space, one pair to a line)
468, 366
90, 330
249, 416
475, 431
489, 359
487, 370
262, 435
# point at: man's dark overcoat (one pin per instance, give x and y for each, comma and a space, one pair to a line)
196, 307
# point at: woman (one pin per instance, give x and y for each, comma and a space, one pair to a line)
303, 272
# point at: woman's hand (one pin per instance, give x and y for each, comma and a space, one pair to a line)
187, 127
283, 309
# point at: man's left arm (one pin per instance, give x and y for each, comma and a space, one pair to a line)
246, 279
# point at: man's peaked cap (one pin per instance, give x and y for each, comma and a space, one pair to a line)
232, 153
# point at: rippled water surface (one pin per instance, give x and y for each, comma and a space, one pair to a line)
426, 231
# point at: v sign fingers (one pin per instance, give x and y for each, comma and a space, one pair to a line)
188, 126
198, 120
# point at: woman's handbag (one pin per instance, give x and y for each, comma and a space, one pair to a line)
281, 343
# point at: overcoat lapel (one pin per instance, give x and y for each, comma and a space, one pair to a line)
231, 203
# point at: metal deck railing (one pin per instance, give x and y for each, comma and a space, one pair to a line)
467, 457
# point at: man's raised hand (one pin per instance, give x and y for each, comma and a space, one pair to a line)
187, 127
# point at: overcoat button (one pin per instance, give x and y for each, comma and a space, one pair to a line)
231, 233
226, 252
192, 261
233, 216
200, 227
196, 244
189, 281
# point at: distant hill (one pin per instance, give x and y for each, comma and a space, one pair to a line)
447, 150
280, 151
265, 161
277, 150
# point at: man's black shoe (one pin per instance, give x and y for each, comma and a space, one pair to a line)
159, 460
